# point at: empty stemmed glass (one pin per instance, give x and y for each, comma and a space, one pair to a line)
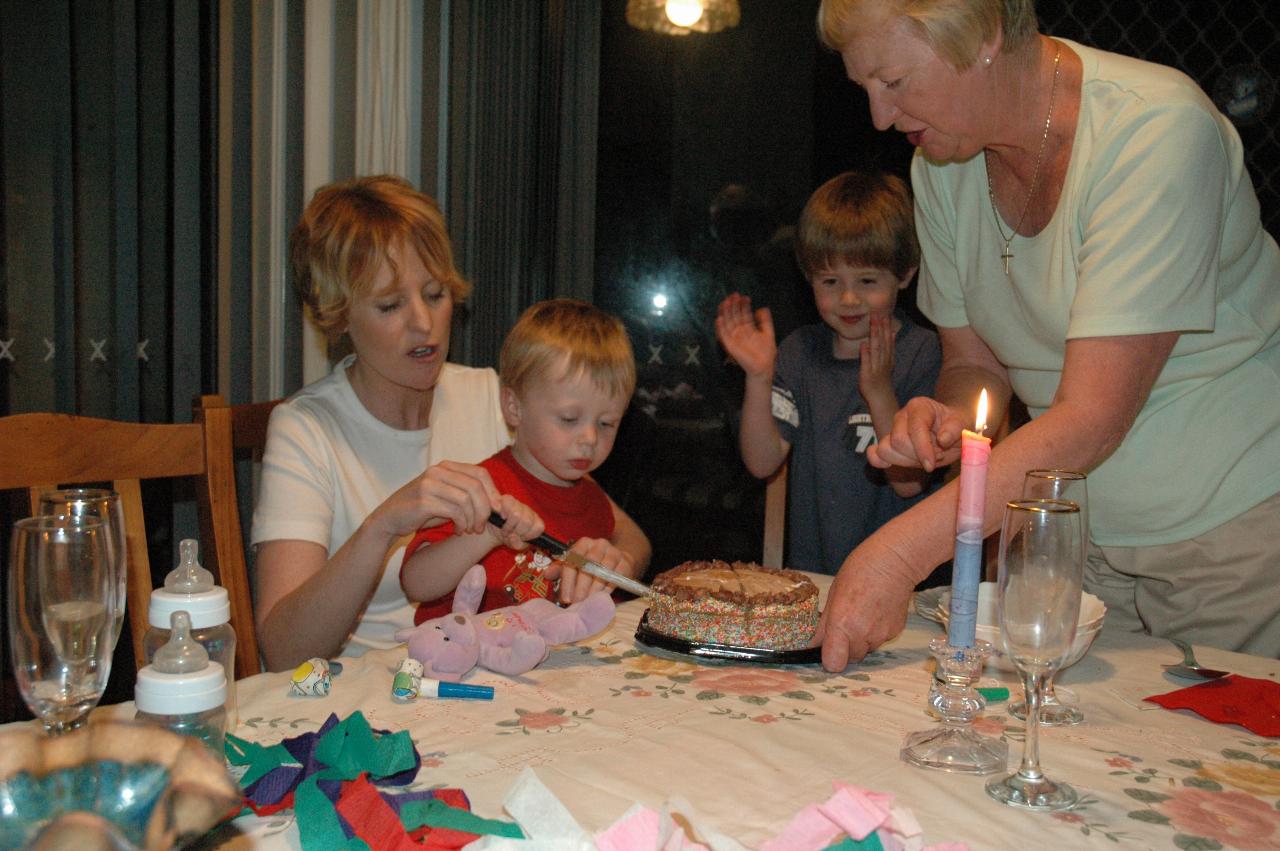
105, 505
1041, 570
61, 604
1069, 485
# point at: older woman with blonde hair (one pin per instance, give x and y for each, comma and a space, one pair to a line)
359, 460
1090, 241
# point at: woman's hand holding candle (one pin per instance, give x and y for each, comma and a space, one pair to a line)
926, 434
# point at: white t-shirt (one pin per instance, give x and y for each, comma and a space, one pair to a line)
329, 463
1157, 229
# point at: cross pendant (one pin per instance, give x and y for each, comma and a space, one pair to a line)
1006, 255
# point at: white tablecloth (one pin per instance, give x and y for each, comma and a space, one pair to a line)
605, 725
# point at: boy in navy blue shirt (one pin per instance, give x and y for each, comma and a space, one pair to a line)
831, 388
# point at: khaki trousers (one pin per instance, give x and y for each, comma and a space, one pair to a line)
1221, 589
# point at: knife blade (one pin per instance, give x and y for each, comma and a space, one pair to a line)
560, 550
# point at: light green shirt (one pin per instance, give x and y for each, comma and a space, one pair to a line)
1157, 229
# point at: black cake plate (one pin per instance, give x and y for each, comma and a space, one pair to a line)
662, 644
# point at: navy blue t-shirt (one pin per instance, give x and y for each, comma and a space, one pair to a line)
835, 498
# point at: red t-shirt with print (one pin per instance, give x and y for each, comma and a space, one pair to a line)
581, 510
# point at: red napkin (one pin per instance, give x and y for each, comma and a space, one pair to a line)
1234, 699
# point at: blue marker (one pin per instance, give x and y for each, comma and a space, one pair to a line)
436, 688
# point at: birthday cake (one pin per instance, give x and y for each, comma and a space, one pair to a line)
741, 604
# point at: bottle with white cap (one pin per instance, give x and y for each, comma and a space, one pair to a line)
183, 689
190, 588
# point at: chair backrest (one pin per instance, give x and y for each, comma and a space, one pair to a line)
775, 518
45, 451
246, 427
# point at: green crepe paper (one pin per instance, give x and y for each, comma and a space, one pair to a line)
318, 824
436, 813
348, 749
870, 843
351, 748
994, 694
259, 759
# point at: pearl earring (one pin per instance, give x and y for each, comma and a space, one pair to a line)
986, 60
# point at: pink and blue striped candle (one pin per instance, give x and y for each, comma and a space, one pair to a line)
966, 570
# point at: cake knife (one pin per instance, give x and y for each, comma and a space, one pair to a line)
560, 550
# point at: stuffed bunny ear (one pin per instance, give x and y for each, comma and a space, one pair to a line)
470, 591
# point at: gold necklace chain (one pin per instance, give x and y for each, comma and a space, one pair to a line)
1007, 255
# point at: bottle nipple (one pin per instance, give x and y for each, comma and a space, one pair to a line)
181, 654
188, 577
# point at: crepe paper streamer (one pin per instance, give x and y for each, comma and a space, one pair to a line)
540, 813
260, 759
372, 819
437, 813
975, 450
808, 828
441, 838
638, 828
643, 829
858, 814
1248, 701
870, 843
351, 748
455, 798
329, 777
852, 818
993, 694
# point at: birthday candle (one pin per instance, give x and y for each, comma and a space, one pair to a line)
966, 569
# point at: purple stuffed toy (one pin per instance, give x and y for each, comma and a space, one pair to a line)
509, 640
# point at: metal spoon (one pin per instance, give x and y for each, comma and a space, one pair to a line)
1190, 669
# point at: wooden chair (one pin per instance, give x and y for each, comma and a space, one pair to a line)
44, 451
775, 518
248, 438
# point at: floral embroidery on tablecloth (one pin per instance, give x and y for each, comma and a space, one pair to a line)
260, 723
764, 717
554, 720
1193, 799
750, 685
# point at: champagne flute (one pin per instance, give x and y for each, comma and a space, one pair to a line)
107, 506
61, 596
1069, 485
1041, 571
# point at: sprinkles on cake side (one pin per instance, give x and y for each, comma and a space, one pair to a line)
740, 604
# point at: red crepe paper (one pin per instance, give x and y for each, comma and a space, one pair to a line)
1234, 699
371, 817
285, 803
442, 838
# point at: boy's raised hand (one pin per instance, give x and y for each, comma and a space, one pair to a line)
747, 336
522, 523
875, 374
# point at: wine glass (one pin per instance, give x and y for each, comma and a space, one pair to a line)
61, 605
1041, 570
1069, 485
107, 506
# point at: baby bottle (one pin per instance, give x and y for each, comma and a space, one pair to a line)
183, 689
189, 588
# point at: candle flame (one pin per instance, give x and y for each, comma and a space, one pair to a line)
982, 412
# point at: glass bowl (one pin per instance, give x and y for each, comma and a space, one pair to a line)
111, 785
1092, 613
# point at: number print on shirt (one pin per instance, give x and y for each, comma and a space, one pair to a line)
859, 433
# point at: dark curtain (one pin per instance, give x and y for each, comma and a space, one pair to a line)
107, 117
